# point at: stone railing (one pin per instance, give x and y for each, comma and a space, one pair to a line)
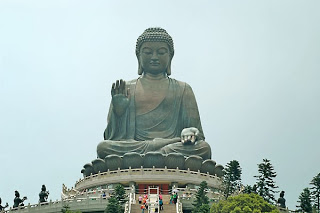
179, 207
75, 204
144, 174
127, 207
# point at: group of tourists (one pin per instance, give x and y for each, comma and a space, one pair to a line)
18, 202
174, 198
144, 202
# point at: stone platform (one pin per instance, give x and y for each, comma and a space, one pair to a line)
152, 159
147, 175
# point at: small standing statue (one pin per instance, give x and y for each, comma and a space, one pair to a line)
43, 195
2, 208
281, 200
17, 200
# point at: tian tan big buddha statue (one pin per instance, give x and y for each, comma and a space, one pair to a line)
152, 117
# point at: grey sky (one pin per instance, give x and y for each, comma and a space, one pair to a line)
253, 65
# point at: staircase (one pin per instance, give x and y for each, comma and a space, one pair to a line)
167, 208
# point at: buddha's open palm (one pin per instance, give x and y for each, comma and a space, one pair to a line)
120, 100
189, 135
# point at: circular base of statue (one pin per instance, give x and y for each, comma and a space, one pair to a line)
152, 159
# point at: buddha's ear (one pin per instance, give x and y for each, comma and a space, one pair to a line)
140, 70
169, 69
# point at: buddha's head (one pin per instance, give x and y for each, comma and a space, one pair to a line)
16, 193
154, 50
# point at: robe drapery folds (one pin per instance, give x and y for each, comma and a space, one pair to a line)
164, 123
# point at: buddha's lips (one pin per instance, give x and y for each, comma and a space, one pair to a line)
155, 64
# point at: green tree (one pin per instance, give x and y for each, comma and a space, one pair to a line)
250, 189
244, 203
113, 206
231, 178
202, 200
315, 191
265, 183
117, 200
305, 201
120, 194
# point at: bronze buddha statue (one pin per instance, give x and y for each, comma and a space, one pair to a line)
154, 113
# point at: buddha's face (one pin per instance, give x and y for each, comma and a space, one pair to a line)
154, 57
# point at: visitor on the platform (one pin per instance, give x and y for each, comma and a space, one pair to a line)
104, 195
171, 199
184, 195
161, 204
144, 200
142, 208
140, 199
2, 208
160, 196
146, 205
175, 198
188, 196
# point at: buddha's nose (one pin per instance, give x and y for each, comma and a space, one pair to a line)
154, 56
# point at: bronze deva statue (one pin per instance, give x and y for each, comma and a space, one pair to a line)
43, 195
17, 200
281, 200
154, 113
2, 208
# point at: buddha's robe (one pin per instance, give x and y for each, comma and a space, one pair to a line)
158, 129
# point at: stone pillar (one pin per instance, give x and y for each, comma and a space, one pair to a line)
174, 185
132, 185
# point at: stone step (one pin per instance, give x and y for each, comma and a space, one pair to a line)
165, 198
167, 208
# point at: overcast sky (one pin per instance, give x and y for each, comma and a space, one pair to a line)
253, 65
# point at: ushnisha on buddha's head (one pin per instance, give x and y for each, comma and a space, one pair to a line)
154, 50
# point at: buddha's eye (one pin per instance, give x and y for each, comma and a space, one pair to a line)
147, 51
162, 51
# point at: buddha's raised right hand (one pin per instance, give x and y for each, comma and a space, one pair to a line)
120, 97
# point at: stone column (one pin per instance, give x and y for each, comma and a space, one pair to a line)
174, 185
132, 185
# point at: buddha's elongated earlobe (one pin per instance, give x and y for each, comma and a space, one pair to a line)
140, 70
169, 69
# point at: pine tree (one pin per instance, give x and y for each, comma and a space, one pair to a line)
315, 191
202, 201
250, 189
232, 178
265, 183
305, 201
113, 206
120, 194
116, 201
